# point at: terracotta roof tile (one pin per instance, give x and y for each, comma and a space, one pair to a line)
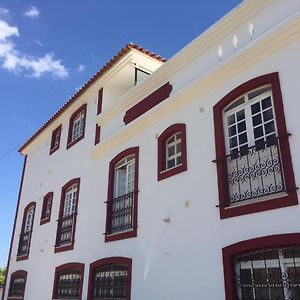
104, 69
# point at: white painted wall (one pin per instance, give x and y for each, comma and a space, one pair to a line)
182, 259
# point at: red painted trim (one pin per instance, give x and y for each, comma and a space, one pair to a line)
58, 248
44, 219
65, 267
72, 118
162, 173
54, 132
14, 225
97, 134
288, 200
28, 206
16, 274
128, 234
147, 103
280, 240
106, 261
100, 100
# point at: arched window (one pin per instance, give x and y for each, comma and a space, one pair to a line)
110, 278
46, 208
66, 223
172, 158
263, 268
68, 281
17, 285
121, 218
253, 156
26, 231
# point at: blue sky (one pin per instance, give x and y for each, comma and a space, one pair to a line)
50, 48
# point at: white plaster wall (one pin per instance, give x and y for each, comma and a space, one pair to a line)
179, 260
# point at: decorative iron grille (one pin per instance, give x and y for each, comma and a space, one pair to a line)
24, 242
17, 287
255, 172
270, 274
121, 213
68, 285
65, 230
110, 282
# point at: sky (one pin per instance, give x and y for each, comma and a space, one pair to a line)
48, 49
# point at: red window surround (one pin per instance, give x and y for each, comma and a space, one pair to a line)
100, 100
130, 233
229, 252
71, 142
162, 171
97, 134
55, 139
110, 261
65, 267
46, 208
12, 290
26, 233
288, 199
70, 245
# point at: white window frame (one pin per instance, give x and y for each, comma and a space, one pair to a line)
70, 200
177, 140
78, 126
29, 220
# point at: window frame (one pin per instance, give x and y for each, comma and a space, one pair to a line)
26, 209
290, 198
162, 171
229, 252
45, 219
65, 267
118, 260
110, 194
70, 246
53, 148
16, 274
71, 142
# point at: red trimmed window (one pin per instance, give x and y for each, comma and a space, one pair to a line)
263, 268
55, 139
68, 281
26, 231
17, 285
172, 158
66, 223
77, 126
46, 208
110, 278
253, 155
121, 217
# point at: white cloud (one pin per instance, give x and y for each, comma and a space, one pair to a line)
4, 11
14, 61
39, 43
32, 12
81, 68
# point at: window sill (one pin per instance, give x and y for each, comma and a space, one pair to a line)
120, 235
53, 150
72, 143
22, 257
44, 221
163, 174
63, 248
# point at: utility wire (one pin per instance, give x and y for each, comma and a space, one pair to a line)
10, 151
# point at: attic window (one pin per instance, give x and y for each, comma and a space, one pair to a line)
139, 75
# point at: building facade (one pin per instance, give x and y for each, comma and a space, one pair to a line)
171, 179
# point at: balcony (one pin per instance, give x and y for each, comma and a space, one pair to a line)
24, 244
65, 230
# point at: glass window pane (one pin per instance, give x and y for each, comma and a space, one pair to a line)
231, 119
232, 130
233, 142
241, 126
255, 108
270, 127
258, 132
256, 120
243, 138
266, 103
171, 150
268, 115
171, 163
240, 115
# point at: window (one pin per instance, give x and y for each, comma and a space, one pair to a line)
253, 156
139, 75
66, 223
17, 285
68, 281
46, 208
172, 158
121, 219
77, 126
263, 268
55, 139
26, 231
110, 278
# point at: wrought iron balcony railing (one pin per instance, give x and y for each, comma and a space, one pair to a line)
24, 243
65, 230
121, 209
255, 172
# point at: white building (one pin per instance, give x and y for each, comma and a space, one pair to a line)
181, 184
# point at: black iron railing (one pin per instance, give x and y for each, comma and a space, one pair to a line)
69, 285
255, 172
268, 274
65, 230
24, 243
121, 209
17, 287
